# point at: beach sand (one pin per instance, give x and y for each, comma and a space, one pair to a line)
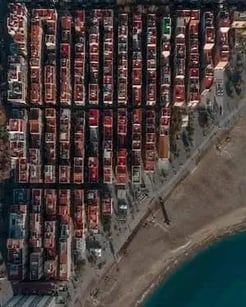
206, 205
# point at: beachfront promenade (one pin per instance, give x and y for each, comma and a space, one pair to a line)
232, 111
204, 206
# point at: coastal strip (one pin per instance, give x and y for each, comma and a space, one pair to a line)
204, 206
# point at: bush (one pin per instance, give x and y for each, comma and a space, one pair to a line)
106, 223
190, 129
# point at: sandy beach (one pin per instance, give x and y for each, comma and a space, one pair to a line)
225, 226
208, 204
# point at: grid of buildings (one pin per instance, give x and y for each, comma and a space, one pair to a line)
151, 60
93, 150
108, 47
136, 150
165, 90
136, 146
80, 225
79, 59
47, 18
35, 157
17, 23
209, 45
50, 151
84, 132
65, 60
122, 59
137, 59
94, 41
79, 146
193, 86
108, 146
17, 242
217, 41
224, 29
36, 59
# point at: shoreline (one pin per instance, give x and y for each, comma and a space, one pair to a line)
204, 207
187, 252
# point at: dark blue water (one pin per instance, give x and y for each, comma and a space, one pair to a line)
216, 277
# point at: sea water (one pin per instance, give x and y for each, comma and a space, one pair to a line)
215, 277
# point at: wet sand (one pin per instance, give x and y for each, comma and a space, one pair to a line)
225, 226
208, 204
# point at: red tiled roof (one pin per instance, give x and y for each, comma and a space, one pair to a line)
36, 198
137, 76
50, 83
49, 14
194, 72
64, 173
137, 116
50, 200
93, 93
64, 196
80, 217
150, 138
179, 93
79, 20
17, 125
79, 197
50, 113
93, 169
22, 170
15, 243
78, 170
49, 173
107, 174
35, 90
93, 118
66, 22
137, 95
93, 217
108, 118
150, 160
208, 81
121, 175
136, 157
107, 206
